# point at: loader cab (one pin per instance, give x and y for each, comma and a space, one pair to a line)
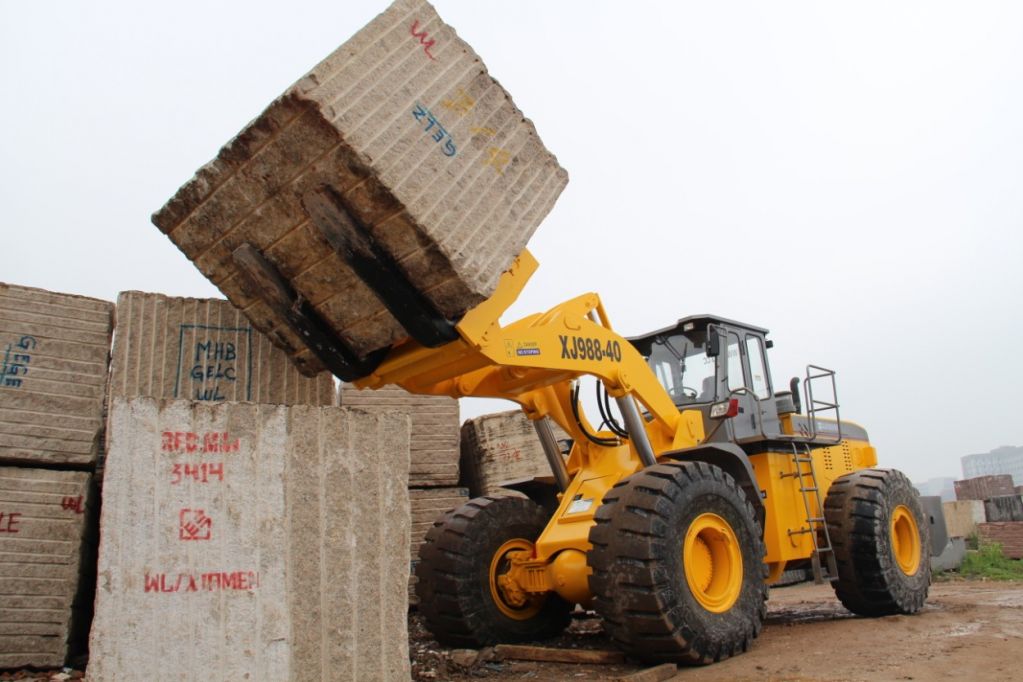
703, 361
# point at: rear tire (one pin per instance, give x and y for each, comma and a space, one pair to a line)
462, 554
882, 542
678, 565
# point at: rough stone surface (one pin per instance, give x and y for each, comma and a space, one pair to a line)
434, 444
1003, 508
983, 487
42, 531
243, 541
55, 350
962, 517
203, 349
499, 448
423, 148
1008, 534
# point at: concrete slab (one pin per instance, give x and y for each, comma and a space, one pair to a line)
244, 541
54, 350
950, 558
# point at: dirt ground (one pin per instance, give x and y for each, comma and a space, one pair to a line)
969, 630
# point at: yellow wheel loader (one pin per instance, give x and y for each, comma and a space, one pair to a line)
670, 520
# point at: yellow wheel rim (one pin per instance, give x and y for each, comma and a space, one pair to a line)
712, 563
905, 539
506, 603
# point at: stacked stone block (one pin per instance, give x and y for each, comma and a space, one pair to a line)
983, 487
962, 517
245, 541
1009, 534
434, 443
43, 535
1003, 508
54, 350
499, 448
203, 349
405, 132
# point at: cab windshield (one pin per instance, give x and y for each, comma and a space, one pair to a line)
681, 364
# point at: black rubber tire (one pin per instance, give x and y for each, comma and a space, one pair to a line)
638, 578
454, 575
858, 510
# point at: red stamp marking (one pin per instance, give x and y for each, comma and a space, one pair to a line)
74, 504
200, 473
194, 525
188, 441
213, 581
9, 522
424, 39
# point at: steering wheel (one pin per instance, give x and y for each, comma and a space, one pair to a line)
688, 392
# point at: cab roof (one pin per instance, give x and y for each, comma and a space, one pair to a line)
697, 322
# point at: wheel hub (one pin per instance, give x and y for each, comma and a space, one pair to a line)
507, 592
905, 536
712, 562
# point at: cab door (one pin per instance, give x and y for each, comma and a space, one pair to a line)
746, 380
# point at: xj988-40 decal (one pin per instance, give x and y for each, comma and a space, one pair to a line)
583, 348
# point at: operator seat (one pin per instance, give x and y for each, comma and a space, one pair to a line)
706, 393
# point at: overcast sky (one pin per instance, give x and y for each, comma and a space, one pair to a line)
848, 176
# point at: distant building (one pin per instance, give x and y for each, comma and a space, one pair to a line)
1003, 460
937, 487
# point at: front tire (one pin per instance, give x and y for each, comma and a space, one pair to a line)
678, 565
882, 542
460, 564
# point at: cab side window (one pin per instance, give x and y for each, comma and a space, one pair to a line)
755, 353
735, 377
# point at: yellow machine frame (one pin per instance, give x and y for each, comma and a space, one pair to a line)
533, 362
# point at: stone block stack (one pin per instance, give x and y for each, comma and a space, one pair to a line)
398, 150
245, 541
991, 508
55, 350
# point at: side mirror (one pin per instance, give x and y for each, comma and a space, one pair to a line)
713, 342
797, 400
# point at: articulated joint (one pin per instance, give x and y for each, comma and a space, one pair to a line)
567, 575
